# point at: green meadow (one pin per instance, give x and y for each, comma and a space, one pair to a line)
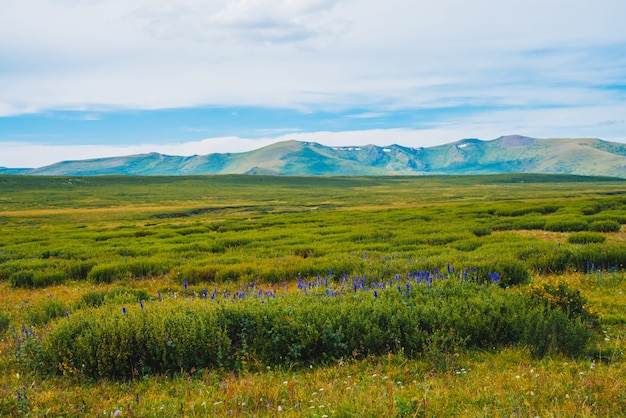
495, 295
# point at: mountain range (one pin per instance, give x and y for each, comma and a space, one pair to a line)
507, 154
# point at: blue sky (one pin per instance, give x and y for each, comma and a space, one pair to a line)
91, 78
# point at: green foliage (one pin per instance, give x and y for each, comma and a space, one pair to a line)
529, 223
569, 301
115, 296
586, 238
565, 322
605, 226
521, 210
35, 279
481, 231
224, 231
566, 225
581, 258
137, 269
176, 335
51, 308
509, 272
79, 270
5, 321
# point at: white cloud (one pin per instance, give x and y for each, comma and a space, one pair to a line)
540, 64
166, 53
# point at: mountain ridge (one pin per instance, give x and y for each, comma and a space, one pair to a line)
506, 154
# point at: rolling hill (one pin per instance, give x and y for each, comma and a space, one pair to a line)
507, 154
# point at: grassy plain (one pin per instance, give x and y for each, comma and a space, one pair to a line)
77, 247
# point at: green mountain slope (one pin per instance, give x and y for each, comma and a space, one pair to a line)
508, 154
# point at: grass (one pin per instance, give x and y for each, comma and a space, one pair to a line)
118, 239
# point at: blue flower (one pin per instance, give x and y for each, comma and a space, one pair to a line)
124, 310
494, 277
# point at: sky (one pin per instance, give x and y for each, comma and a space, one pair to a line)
94, 78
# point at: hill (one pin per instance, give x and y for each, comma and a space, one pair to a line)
507, 154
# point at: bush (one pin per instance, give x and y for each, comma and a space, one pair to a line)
561, 324
22, 279
138, 269
48, 310
35, 279
4, 323
605, 226
566, 226
569, 301
107, 273
525, 210
530, 224
297, 330
79, 270
503, 272
583, 258
114, 296
481, 231
586, 238
197, 274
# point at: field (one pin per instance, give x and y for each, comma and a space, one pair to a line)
305, 296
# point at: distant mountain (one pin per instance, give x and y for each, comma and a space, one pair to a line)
5, 170
507, 154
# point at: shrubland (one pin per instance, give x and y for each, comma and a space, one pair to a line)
243, 294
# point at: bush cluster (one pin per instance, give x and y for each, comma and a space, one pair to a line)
298, 330
580, 258
586, 238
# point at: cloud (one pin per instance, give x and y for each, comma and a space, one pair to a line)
306, 54
543, 68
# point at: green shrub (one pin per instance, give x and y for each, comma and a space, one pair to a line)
481, 231
512, 272
45, 312
581, 258
35, 279
115, 296
197, 274
298, 330
605, 226
79, 270
502, 272
603, 256
549, 331
529, 224
5, 321
136, 268
468, 244
442, 239
566, 225
586, 238
522, 210
563, 324
107, 273
569, 301
22, 279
